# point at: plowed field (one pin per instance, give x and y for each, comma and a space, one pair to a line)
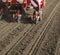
25, 38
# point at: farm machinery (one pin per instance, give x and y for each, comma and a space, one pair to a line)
16, 9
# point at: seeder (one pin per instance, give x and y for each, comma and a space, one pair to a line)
15, 9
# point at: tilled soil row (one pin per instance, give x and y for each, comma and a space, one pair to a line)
13, 36
49, 46
3, 24
23, 44
26, 40
6, 29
